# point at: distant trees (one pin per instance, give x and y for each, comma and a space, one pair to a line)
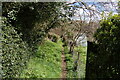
99, 62
84, 18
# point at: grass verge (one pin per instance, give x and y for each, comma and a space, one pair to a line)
46, 63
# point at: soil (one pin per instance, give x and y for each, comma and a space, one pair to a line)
63, 66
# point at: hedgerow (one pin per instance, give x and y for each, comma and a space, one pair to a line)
15, 52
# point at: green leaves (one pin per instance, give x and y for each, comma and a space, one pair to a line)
31, 19
108, 45
15, 52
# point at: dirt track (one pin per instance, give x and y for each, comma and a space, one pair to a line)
63, 66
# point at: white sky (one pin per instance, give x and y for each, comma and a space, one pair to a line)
108, 8
71, 1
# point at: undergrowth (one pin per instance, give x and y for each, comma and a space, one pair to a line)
71, 59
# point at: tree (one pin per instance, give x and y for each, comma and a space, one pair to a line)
108, 39
88, 21
88, 18
104, 59
33, 19
25, 25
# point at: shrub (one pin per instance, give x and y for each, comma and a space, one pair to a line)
15, 52
108, 39
104, 58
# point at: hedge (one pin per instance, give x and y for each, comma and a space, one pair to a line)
15, 52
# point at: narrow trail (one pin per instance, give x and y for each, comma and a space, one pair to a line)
63, 66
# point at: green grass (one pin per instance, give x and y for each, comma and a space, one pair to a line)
82, 62
80, 72
69, 61
46, 63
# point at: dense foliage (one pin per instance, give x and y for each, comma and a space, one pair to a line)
76, 62
81, 53
33, 20
15, 52
104, 59
70, 63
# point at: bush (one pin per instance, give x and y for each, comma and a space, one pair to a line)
105, 60
109, 42
15, 52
